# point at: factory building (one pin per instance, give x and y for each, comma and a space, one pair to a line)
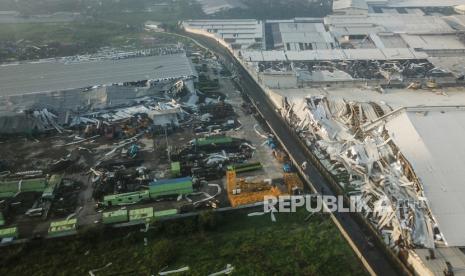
238, 34
376, 89
350, 7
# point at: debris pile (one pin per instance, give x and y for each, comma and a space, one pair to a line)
367, 164
390, 71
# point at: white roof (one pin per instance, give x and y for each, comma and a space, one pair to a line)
432, 141
364, 54
241, 31
263, 55
350, 4
395, 23
56, 76
434, 42
334, 54
424, 3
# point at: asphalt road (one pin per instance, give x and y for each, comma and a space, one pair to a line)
377, 259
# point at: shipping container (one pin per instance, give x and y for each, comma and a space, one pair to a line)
11, 188
143, 214
10, 232
62, 227
126, 198
171, 187
165, 213
117, 216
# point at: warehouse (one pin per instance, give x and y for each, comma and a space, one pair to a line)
239, 34
435, 154
350, 7
51, 76
299, 35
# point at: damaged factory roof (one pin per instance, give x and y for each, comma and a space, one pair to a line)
334, 54
431, 138
56, 76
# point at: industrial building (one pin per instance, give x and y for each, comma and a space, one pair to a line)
376, 92
299, 35
240, 34
214, 6
350, 7
53, 76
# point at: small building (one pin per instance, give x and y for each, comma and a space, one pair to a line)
62, 227
117, 216
2, 219
171, 187
142, 214
126, 198
153, 26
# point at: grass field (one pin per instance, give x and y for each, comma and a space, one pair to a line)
253, 245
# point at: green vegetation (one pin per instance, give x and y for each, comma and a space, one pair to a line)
253, 245
112, 23
120, 23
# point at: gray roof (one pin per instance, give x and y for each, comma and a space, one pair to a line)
57, 76
350, 4
431, 138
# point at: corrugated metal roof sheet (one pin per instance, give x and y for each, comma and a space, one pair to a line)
431, 139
